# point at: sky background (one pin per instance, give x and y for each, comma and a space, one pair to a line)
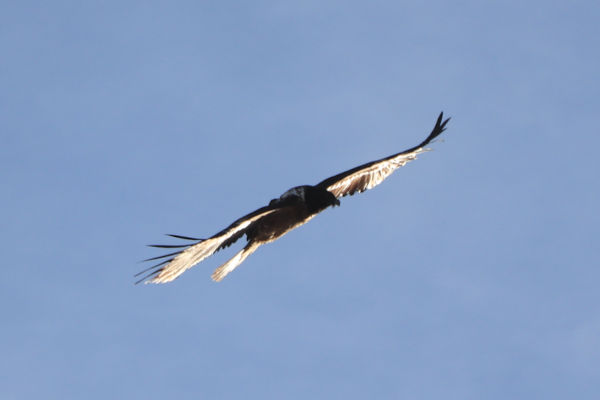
468, 274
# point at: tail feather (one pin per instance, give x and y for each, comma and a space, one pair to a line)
233, 263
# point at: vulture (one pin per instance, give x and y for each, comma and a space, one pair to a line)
293, 208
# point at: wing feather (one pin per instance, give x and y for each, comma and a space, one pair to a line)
371, 174
197, 252
234, 262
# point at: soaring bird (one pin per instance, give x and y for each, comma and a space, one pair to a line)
293, 208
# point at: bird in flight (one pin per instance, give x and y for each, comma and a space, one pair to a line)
292, 209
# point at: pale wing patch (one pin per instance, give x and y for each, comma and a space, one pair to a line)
198, 252
371, 176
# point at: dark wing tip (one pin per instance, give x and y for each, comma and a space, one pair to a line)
163, 256
168, 246
440, 126
184, 237
159, 267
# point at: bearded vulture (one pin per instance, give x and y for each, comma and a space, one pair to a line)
295, 207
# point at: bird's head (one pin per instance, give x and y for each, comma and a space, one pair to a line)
336, 202
317, 199
330, 199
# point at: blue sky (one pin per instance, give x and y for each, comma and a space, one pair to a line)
469, 273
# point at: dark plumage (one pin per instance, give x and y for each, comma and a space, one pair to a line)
292, 209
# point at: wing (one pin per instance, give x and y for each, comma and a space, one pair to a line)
181, 260
371, 174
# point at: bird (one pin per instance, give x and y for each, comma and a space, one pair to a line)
292, 209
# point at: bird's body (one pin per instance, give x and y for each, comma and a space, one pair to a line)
292, 209
295, 207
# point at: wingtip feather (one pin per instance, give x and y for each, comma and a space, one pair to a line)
440, 126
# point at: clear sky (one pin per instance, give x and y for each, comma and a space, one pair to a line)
468, 274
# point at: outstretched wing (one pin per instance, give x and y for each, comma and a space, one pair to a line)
371, 174
181, 260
